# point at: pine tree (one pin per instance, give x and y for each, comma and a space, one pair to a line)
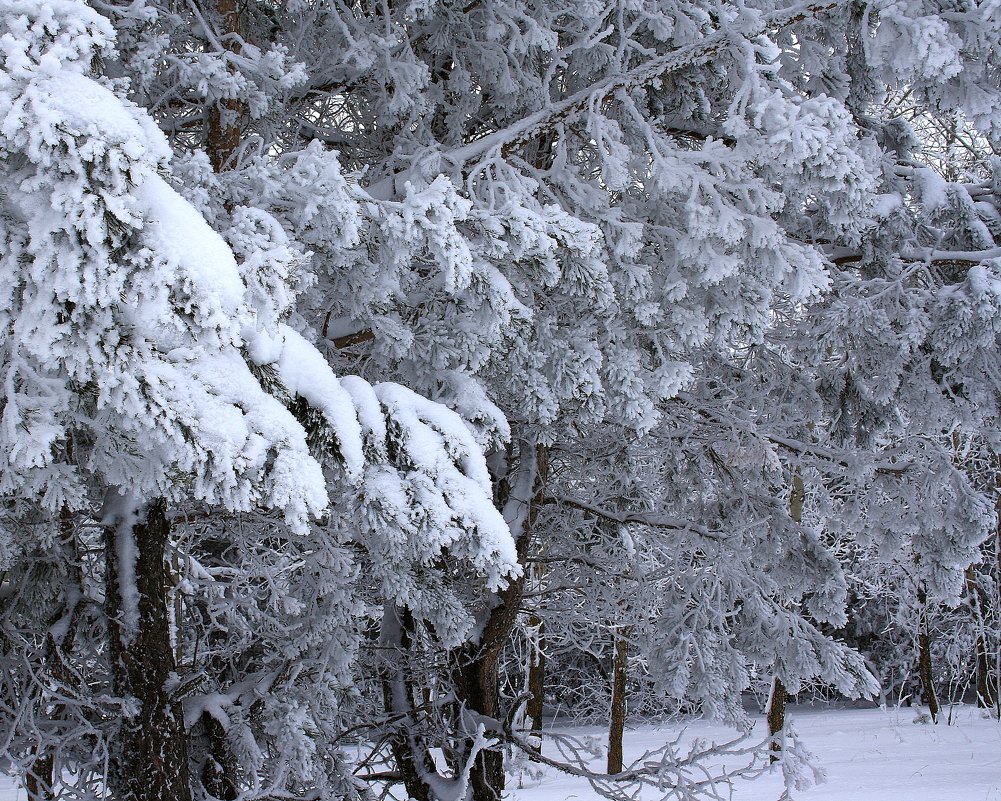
695, 233
149, 367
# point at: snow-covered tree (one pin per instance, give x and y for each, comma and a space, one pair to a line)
905, 345
693, 235
567, 212
149, 367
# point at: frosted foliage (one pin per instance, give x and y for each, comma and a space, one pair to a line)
710, 608
125, 306
429, 509
710, 282
928, 527
454, 252
272, 266
471, 247
148, 354
305, 374
967, 321
932, 49
949, 57
41, 40
251, 597
124, 303
257, 76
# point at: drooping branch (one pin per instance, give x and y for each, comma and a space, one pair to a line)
667, 769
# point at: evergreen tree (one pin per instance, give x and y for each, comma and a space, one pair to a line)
148, 367
675, 263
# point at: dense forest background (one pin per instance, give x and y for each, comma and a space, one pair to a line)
403, 374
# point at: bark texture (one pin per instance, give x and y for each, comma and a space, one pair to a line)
986, 689
219, 769
411, 757
149, 756
925, 671
477, 686
225, 116
617, 719
477, 673
39, 781
776, 715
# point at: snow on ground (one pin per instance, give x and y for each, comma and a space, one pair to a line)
868, 754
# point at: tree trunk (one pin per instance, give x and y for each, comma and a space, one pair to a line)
778, 697
536, 680
478, 688
40, 780
149, 760
987, 690
924, 659
218, 773
617, 719
225, 116
477, 682
412, 760
986, 695
475, 665
776, 715
477, 673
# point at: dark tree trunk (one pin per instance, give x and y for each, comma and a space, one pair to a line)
779, 697
412, 759
225, 117
986, 691
477, 672
478, 687
924, 659
617, 719
536, 680
776, 714
218, 773
149, 760
475, 666
39, 781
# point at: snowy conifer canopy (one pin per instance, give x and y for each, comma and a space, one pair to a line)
716, 286
126, 313
134, 342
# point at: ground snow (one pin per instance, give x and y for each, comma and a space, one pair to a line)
869, 755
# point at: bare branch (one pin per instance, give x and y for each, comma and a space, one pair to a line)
638, 518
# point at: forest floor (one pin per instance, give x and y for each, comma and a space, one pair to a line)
867, 755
